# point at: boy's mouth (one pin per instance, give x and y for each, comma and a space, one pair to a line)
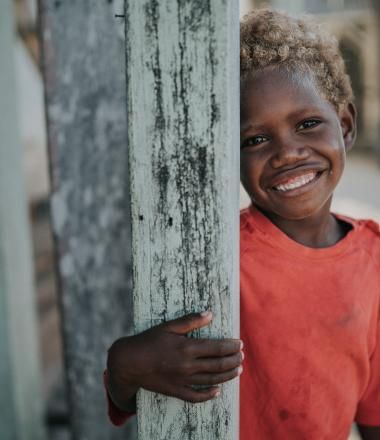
297, 181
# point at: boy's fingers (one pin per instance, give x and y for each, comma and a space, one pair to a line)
215, 379
219, 365
197, 396
188, 323
214, 348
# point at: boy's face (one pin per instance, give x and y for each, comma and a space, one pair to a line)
293, 145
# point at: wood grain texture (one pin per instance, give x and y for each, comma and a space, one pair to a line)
183, 119
84, 72
21, 405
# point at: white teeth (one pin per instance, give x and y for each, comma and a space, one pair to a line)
297, 182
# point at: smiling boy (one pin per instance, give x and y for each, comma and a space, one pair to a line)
293, 153
309, 279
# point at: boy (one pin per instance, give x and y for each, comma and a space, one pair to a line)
310, 280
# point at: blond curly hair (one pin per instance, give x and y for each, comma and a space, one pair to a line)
272, 38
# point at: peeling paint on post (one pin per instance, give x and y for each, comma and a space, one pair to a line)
183, 119
84, 73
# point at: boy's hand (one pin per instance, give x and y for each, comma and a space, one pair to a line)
164, 360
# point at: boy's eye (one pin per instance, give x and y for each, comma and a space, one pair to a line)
252, 141
309, 123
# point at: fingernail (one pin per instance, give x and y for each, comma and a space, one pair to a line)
217, 394
240, 370
242, 356
241, 345
205, 313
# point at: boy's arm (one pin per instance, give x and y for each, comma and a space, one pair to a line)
129, 398
369, 432
162, 359
118, 416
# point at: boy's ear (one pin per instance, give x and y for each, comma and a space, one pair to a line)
348, 124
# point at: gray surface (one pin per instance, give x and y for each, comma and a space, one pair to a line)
85, 86
360, 184
183, 115
20, 392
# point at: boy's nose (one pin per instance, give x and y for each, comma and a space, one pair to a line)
288, 152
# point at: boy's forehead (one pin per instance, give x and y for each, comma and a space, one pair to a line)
271, 90
271, 80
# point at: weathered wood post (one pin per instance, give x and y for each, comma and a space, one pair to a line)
183, 143
172, 180
21, 409
84, 69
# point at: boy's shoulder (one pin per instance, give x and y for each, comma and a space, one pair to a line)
253, 225
244, 214
366, 235
365, 232
246, 223
364, 226
371, 225
246, 229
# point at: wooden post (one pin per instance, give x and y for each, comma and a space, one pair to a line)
183, 139
177, 183
84, 72
21, 410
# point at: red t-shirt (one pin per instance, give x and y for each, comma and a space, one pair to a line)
310, 324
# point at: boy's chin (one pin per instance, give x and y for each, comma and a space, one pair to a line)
293, 213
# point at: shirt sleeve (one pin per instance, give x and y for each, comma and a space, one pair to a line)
368, 412
117, 416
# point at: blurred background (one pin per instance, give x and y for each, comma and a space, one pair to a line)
355, 24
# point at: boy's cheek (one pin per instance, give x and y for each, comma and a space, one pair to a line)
248, 169
249, 178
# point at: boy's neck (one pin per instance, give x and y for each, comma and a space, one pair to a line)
320, 230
